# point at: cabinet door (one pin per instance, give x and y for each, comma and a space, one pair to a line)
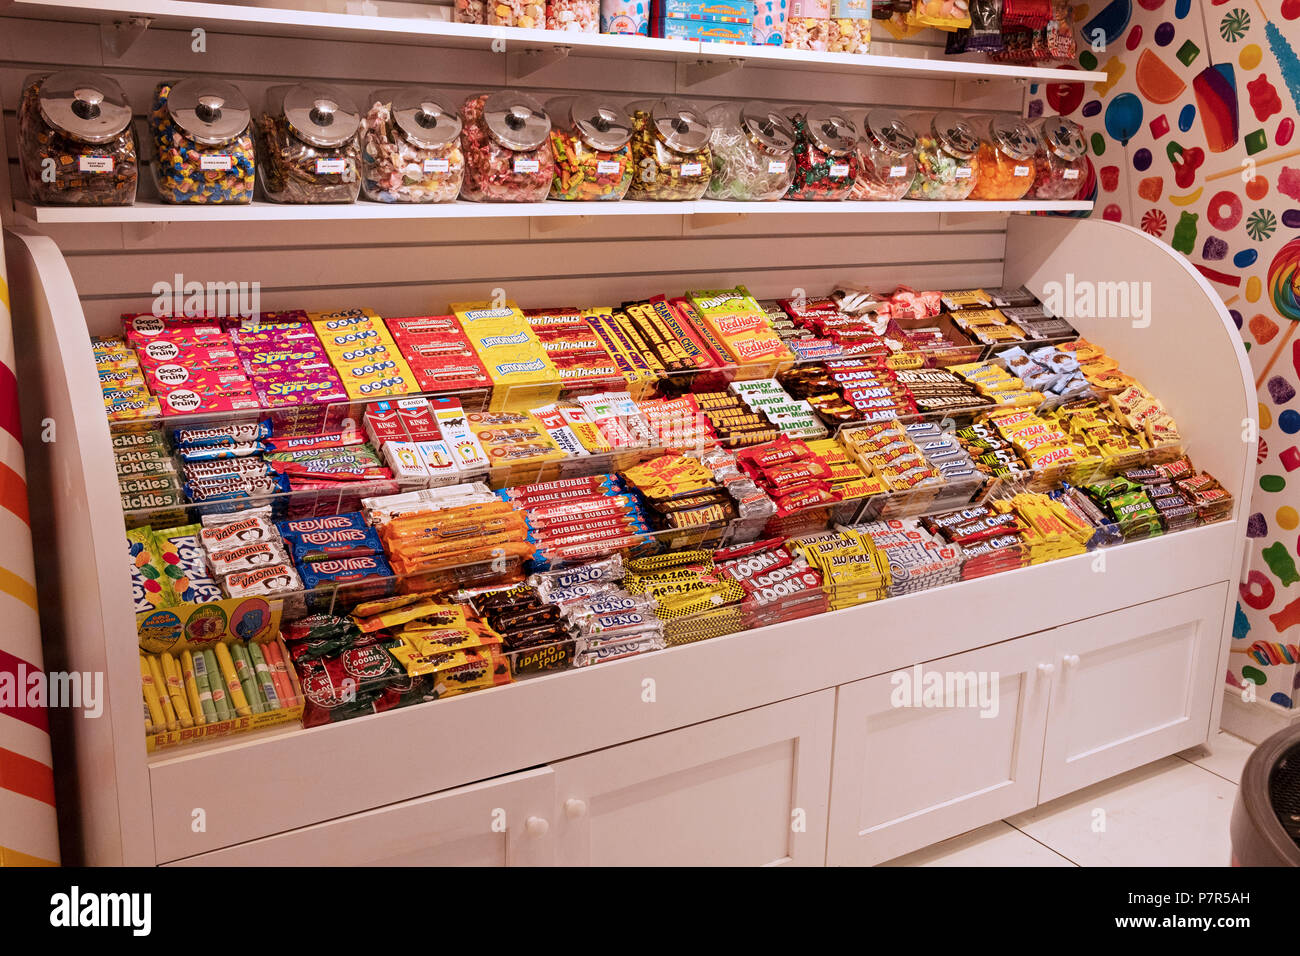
748, 789
1134, 686
912, 767
500, 822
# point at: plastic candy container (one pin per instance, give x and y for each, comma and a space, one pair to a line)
308, 138
753, 152
670, 151
946, 162
469, 11
506, 140
410, 148
886, 163
75, 140
825, 166
204, 150
1062, 159
575, 16
1006, 159
589, 138
516, 13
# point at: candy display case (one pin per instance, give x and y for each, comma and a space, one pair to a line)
1144, 623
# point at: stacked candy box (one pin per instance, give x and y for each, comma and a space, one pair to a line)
363, 354
189, 364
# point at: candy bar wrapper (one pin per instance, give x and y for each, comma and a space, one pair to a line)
151, 588
183, 562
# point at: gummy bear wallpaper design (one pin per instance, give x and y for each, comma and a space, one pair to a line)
1193, 137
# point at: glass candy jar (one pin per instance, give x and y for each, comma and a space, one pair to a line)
886, 163
1006, 159
506, 139
671, 159
202, 143
308, 139
410, 148
1062, 159
947, 164
590, 142
753, 152
825, 164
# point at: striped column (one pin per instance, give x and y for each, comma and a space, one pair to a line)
28, 828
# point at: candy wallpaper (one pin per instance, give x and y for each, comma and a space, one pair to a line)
1193, 138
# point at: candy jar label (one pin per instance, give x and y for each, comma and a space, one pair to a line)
436, 165
95, 164
963, 172
897, 172
691, 169
527, 165
1071, 174
217, 161
330, 166
839, 170
1022, 171
776, 166
607, 167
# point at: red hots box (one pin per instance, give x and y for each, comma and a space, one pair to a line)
439, 354
574, 348
400, 419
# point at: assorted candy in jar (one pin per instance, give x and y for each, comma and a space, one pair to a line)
947, 164
308, 141
575, 16
753, 152
410, 148
670, 151
1006, 158
204, 150
886, 164
1062, 159
529, 14
506, 140
75, 141
825, 166
589, 139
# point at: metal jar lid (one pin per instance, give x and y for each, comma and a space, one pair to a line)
516, 120
680, 125
768, 127
1013, 136
320, 114
210, 111
1064, 138
888, 132
87, 106
422, 117
602, 124
955, 135
830, 130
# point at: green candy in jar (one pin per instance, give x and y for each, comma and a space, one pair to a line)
753, 152
825, 157
947, 166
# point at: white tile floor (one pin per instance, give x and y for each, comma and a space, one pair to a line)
1173, 812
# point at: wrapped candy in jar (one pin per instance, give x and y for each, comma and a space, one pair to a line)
204, 150
753, 152
529, 14
886, 163
824, 162
506, 140
1006, 159
575, 16
308, 139
75, 140
410, 148
670, 151
470, 11
946, 162
589, 139
1062, 159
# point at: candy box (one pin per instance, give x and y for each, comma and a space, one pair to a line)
194, 626
722, 11
401, 419
707, 31
219, 381
343, 320
469, 454
217, 354
299, 391
184, 401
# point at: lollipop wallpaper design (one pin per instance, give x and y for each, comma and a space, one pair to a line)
1193, 136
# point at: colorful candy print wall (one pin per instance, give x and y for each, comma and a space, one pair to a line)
28, 829
1194, 141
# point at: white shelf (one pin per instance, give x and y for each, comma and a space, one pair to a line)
158, 212
266, 21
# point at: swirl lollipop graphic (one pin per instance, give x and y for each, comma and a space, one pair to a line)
1284, 293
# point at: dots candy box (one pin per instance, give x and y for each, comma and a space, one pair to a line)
363, 353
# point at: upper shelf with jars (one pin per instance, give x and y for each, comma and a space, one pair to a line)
126, 19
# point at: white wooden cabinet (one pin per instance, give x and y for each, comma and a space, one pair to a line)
744, 790
907, 776
499, 822
1131, 687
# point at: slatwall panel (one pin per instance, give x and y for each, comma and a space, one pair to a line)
412, 267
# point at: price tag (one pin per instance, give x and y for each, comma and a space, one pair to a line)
330, 166
691, 169
437, 165
1022, 170
220, 162
527, 165
1071, 174
776, 166
897, 172
94, 164
839, 170
608, 167
963, 172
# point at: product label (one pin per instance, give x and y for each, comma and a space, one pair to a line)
436, 165
776, 166
216, 161
963, 172
839, 170
1070, 174
691, 169
897, 172
527, 165
608, 167
1022, 171
330, 166
95, 164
